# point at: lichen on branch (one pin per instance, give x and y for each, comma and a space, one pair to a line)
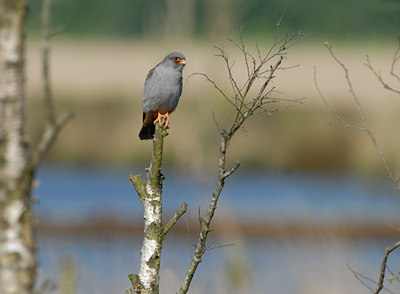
150, 194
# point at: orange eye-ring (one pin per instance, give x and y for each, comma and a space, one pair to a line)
176, 59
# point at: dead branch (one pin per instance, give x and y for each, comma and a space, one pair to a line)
245, 105
378, 74
54, 125
384, 265
364, 126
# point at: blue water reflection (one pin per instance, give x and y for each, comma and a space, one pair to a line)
78, 193
264, 265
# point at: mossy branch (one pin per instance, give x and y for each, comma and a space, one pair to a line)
150, 194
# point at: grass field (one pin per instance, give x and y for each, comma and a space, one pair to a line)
102, 80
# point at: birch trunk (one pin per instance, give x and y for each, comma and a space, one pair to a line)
150, 194
17, 246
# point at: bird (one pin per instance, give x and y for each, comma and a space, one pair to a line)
161, 93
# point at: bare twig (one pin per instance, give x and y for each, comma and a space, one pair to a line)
363, 281
364, 126
220, 246
47, 91
174, 219
49, 136
383, 266
395, 59
361, 278
379, 75
54, 125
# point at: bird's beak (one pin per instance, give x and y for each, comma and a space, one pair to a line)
182, 62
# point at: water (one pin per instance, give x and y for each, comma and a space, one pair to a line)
257, 265
321, 197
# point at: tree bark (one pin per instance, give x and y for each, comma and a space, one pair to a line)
17, 246
150, 194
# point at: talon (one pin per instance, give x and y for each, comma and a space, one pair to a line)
158, 119
167, 121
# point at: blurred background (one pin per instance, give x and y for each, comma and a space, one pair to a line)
310, 197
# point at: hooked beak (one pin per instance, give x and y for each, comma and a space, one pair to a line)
182, 62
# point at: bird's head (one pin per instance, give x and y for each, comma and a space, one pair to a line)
175, 60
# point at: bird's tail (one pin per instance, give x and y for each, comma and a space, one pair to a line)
147, 132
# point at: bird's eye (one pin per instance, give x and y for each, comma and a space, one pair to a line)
176, 59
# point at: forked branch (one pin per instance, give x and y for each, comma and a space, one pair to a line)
53, 125
364, 126
245, 105
395, 59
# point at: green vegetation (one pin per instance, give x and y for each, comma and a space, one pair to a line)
342, 19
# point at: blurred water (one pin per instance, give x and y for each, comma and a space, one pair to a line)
250, 266
78, 193
261, 265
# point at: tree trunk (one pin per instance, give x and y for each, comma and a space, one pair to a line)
150, 194
17, 246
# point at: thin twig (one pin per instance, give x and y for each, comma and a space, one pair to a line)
49, 136
54, 125
220, 246
396, 58
364, 128
174, 219
383, 266
245, 106
47, 92
379, 75
362, 278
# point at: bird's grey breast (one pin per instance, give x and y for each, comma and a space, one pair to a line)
162, 89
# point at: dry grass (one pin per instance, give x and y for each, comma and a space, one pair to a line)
102, 80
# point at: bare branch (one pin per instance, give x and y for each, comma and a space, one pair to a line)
379, 75
383, 266
232, 170
215, 85
47, 93
245, 105
174, 219
341, 121
220, 246
364, 128
53, 125
395, 59
49, 136
362, 278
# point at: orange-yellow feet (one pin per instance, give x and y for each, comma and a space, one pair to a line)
158, 119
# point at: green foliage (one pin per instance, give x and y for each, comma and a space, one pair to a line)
147, 18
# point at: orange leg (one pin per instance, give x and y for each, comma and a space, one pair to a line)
167, 121
158, 119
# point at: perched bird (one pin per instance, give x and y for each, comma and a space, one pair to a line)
161, 92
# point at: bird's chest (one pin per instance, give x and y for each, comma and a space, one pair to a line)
162, 91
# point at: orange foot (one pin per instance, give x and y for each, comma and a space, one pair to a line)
158, 119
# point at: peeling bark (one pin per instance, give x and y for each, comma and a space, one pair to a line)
18, 163
17, 247
150, 194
